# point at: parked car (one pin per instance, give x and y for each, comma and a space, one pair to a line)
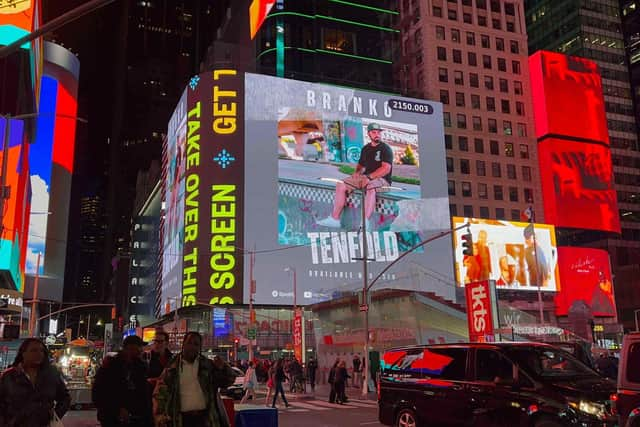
491, 384
235, 390
628, 403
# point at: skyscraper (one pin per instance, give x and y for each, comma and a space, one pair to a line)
592, 30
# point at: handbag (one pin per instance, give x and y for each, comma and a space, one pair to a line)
55, 421
270, 383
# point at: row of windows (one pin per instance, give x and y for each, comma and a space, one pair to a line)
623, 143
616, 91
602, 24
598, 55
628, 197
496, 169
626, 161
614, 107
468, 212
626, 179
509, 8
474, 81
467, 18
472, 60
460, 99
494, 146
492, 124
620, 126
470, 37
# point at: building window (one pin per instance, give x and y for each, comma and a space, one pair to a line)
504, 85
499, 44
508, 149
475, 102
338, 40
507, 128
502, 64
511, 27
459, 99
496, 170
452, 14
462, 121
466, 189
481, 170
466, 17
513, 44
524, 151
418, 58
515, 215
513, 194
464, 167
491, 103
488, 82
477, 123
473, 80
528, 195
446, 118
457, 78
479, 145
500, 213
463, 143
486, 62
448, 141
417, 38
492, 125
497, 192
526, 173
471, 38
453, 210
522, 129
517, 87
509, 9
519, 108
442, 54
495, 6
504, 106
515, 67
482, 21
511, 171
482, 191
444, 96
450, 164
496, 24
443, 75
457, 56
473, 60
468, 211
481, 4
484, 212
455, 35
440, 33
437, 12
485, 41
451, 187
494, 148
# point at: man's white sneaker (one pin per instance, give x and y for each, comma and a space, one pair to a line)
329, 222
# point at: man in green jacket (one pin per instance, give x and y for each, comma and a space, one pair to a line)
187, 392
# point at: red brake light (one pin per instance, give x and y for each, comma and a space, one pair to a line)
613, 397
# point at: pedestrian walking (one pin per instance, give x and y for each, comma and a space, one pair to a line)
32, 391
120, 390
278, 378
332, 380
159, 356
187, 392
356, 371
340, 382
270, 384
250, 383
312, 367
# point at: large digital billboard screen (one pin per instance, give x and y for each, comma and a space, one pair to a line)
517, 255
586, 279
270, 165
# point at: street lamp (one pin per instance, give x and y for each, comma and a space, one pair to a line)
295, 300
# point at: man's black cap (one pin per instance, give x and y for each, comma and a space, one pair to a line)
133, 339
373, 126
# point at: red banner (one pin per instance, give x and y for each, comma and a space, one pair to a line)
480, 311
298, 330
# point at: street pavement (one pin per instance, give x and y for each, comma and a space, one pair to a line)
312, 410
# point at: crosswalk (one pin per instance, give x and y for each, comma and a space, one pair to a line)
323, 405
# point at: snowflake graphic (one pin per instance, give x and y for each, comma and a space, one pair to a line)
224, 158
193, 83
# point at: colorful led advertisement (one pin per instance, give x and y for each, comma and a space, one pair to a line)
16, 19
517, 255
258, 11
586, 279
258, 169
573, 142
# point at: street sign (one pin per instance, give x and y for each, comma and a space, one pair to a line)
364, 307
251, 333
4, 302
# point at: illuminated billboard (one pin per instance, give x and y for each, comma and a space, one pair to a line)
259, 168
573, 142
517, 255
586, 279
17, 19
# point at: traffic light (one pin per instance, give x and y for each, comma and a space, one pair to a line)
467, 244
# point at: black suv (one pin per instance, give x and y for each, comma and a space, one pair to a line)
491, 384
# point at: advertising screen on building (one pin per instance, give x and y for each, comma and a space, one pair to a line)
517, 255
586, 279
16, 19
260, 167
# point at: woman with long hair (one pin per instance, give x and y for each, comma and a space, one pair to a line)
250, 383
270, 383
32, 391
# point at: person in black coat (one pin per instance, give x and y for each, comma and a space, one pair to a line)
341, 382
160, 356
332, 381
31, 389
312, 367
120, 389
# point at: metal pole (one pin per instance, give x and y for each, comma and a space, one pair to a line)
251, 292
34, 301
88, 325
295, 296
538, 272
365, 256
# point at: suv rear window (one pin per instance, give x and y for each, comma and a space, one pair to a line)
428, 363
633, 363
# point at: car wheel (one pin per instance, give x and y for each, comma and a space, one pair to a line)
406, 418
545, 422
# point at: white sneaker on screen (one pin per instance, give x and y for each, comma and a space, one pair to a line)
329, 222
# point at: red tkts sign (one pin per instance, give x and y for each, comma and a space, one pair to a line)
297, 335
480, 311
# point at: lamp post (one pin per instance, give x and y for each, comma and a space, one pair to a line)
295, 297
